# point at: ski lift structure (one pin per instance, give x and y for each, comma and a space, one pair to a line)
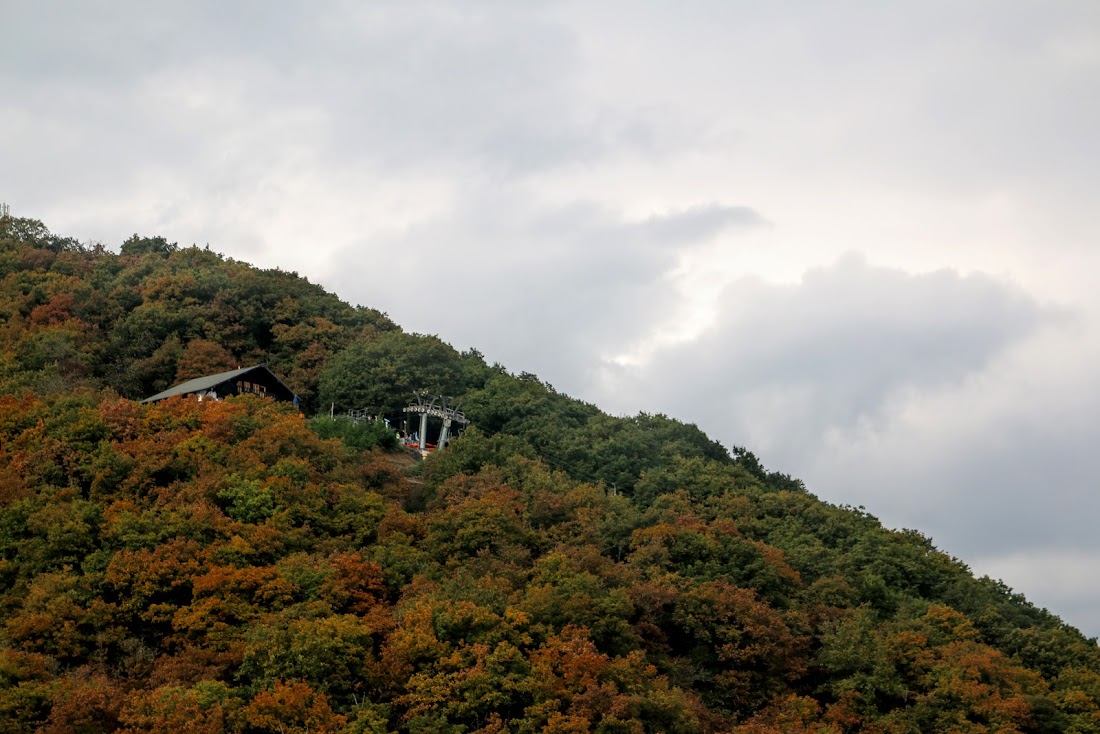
442, 407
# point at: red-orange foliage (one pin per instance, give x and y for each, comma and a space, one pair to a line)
793, 714
202, 357
355, 586
293, 708
87, 703
225, 598
205, 708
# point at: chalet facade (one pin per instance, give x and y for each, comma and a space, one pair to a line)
257, 380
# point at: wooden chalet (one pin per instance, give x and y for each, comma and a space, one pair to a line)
257, 380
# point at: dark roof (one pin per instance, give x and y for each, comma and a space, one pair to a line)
205, 383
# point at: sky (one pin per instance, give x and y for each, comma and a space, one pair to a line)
858, 238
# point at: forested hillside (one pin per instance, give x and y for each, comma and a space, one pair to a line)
233, 566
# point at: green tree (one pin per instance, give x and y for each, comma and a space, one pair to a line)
383, 373
137, 245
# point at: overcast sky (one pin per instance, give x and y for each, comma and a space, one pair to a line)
859, 238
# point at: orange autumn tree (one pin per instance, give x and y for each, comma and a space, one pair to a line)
202, 357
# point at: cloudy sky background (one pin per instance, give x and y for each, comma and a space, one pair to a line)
859, 238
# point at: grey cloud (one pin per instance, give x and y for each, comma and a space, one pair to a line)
702, 222
536, 287
786, 364
111, 43
132, 101
1023, 493
402, 85
1021, 481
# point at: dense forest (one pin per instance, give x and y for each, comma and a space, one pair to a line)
237, 566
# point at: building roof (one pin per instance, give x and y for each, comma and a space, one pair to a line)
205, 383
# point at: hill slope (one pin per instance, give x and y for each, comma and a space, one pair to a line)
222, 567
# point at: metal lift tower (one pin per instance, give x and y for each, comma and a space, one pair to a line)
436, 407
